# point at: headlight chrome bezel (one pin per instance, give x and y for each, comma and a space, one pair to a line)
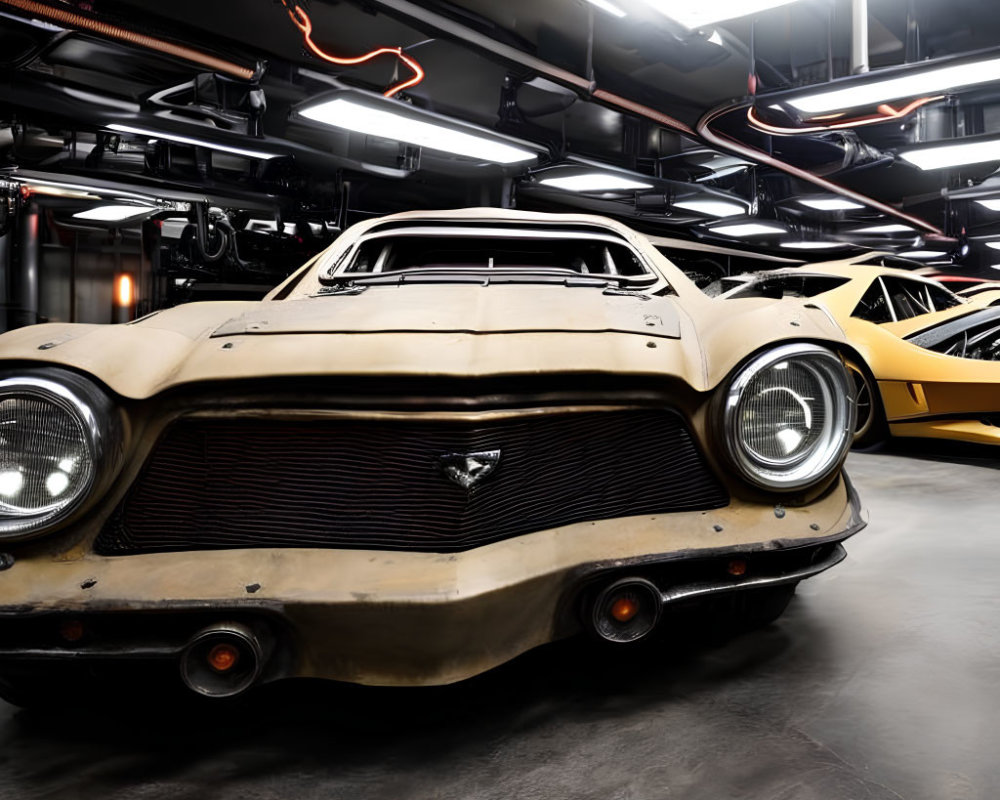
823, 458
93, 412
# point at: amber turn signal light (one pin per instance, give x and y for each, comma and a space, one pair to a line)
737, 567
223, 657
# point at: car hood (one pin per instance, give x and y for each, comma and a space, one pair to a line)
472, 331
462, 308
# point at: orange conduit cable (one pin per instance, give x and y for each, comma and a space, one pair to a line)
886, 114
71, 19
304, 24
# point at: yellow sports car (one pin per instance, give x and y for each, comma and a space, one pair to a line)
912, 378
448, 439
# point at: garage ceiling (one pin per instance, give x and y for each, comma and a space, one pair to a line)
699, 128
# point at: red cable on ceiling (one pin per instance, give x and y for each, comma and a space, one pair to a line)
304, 24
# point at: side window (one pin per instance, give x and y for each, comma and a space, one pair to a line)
908, 298
872, 306
942, 298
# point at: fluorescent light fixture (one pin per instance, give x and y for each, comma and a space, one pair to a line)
113, 213
747, 229
992, 205
604, 5
995, 266
271, 226
712, 208
831, 204
723, 172
922, 83
720, 165
359, 117
174, 137
884, 229
954, 155
924, 254
594, 182
812, 245
994, 245
716, 39
697, 13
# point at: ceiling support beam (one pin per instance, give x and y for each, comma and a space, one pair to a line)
859, 36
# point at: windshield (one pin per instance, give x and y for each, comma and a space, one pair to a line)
500, 255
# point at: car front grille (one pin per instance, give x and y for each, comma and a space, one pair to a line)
382, 484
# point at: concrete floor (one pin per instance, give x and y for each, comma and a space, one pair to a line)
882, 680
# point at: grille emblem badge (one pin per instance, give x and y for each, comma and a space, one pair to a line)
468, 469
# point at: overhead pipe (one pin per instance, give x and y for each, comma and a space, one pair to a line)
71, 19
704, 128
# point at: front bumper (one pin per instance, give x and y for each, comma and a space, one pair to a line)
404, 618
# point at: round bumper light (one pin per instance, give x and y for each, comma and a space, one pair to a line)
222, 661
626, 611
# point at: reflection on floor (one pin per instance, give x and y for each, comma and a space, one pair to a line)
881, 681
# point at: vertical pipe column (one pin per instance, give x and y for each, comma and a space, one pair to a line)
6, 297
25, 273
859, 36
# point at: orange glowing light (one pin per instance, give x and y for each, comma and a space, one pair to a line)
624, 609
304, 24
71, 630
223, 657
124, 291
737, 567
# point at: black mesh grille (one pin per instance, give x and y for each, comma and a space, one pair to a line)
213, 484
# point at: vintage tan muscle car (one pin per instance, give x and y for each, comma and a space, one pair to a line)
449, 438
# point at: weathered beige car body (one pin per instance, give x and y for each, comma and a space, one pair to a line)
397, 617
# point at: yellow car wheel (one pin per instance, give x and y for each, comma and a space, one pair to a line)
870, 427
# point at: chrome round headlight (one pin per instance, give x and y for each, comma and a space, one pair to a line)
51, 450
789, 415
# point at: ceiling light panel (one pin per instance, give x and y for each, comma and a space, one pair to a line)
174, 137
812, 245
831, 204
113, 213
876, 229
712, 208
921, 83
594, 182
698, 13
611, 8
954, 155
992, 205
458, 139
747, 229
924, 254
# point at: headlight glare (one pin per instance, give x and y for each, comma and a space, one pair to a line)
788, 416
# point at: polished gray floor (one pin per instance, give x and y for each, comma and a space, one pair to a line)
881, 681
